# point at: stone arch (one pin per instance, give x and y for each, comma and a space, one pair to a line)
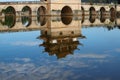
102, 11
10, 16
92, 14
66, 11
26, 16
66, 15
92, 19
112, 14
41, 18
102, 14
92, 11
83, 14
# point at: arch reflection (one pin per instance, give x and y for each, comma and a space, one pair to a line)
41, 18
26, 16
92, 14
112, 14
92, 11
83, 14
92, 18
66, 15
102, 14
10, 16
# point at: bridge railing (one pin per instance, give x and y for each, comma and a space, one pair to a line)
22, 2
84, 3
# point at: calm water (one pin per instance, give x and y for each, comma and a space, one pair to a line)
89, 53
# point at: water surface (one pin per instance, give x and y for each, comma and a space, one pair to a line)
89, 53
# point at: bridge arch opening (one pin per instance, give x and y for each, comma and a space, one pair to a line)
92, 11
92, 14
26, 16
92, 19
102, 11
102, 14
66, 15
41, 18
112, 14
10, 16
83, 14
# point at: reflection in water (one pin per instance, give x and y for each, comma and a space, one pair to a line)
112, 14
66, 19
62, 43
83, 14
22, 59
26, 19
41, 18
102, 15
112, 18
10, 17
92, 18
102, 19
66, 15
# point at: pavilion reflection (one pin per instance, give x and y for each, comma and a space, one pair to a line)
61, 41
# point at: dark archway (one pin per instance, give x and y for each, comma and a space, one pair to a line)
102, 14
41, 18
10, 16
92, 19
26, 16
66, 11
112, 14
83, 14
92, 14
92, 11
66, 15
102, 11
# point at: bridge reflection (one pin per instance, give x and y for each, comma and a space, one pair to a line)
62, 44
28, 19
39, 22
61, 39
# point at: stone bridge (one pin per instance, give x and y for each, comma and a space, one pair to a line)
32, 15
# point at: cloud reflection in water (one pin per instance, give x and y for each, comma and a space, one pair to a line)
63, 69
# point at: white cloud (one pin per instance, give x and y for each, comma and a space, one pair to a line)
117, 50
113, 50
91, 55
62, 69
23, 59
27, 43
